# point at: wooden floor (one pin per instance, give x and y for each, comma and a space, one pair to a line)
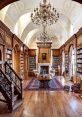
46, 104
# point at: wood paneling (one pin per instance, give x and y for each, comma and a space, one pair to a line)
2, 52
79, 37
47, 51
25, 62
32, 52
56, 52
8, 40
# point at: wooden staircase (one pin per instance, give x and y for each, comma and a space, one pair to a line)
11, 87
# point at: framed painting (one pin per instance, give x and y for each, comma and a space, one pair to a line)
44, 56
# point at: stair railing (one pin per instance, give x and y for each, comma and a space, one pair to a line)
14, 78
7, 89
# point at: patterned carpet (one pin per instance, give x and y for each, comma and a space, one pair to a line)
34, 84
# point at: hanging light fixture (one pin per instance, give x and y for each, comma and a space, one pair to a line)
44, 37
45, 14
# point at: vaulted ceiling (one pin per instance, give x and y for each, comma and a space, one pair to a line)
17, 17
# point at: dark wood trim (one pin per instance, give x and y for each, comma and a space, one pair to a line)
80, 1
18, 40
79, 33
6, 29
4, 3
69, 40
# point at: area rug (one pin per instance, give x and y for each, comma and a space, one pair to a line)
34, 84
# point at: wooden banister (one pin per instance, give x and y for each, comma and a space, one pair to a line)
9, 81
13, 71
14, 78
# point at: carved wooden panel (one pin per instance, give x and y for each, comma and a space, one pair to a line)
32, 52
2, 36
79, 40
8, 40
47, 51
56, 52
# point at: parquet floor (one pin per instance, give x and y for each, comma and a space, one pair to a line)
47, 104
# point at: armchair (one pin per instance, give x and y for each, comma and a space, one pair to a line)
36, 73
52, 73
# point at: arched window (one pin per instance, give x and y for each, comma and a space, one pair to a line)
72, 62
63, 62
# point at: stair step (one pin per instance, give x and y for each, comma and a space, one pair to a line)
17, 104
5, 80
15, 98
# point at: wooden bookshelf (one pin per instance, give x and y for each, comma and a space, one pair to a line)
55, 64
32, 64
66, 64
9, 56
22, 65
79, 61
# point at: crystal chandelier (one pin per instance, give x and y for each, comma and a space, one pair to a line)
44, 37
45, 14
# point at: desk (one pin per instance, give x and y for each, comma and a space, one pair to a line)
44, 81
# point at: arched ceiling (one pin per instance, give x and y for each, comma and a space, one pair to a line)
4, 3
17, 17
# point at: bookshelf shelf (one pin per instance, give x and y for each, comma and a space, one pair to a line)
79, 61
55, 64
9, 56
32, 63
22, 65
66, 64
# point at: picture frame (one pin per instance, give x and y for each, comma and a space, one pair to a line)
44, 56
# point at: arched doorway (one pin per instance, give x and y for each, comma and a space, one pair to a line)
16, 59
72, 62
63, 62
0, 55
25, 63
0, 59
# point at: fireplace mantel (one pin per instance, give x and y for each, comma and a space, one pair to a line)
44, 64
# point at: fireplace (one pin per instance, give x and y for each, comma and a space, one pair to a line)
44, 68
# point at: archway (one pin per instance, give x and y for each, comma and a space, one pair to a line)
0, 59
16, 59
63, 62
0, 55
25, 64
72, 62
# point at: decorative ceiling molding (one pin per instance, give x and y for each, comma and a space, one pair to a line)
21, 25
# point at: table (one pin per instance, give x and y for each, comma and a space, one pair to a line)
44, 82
